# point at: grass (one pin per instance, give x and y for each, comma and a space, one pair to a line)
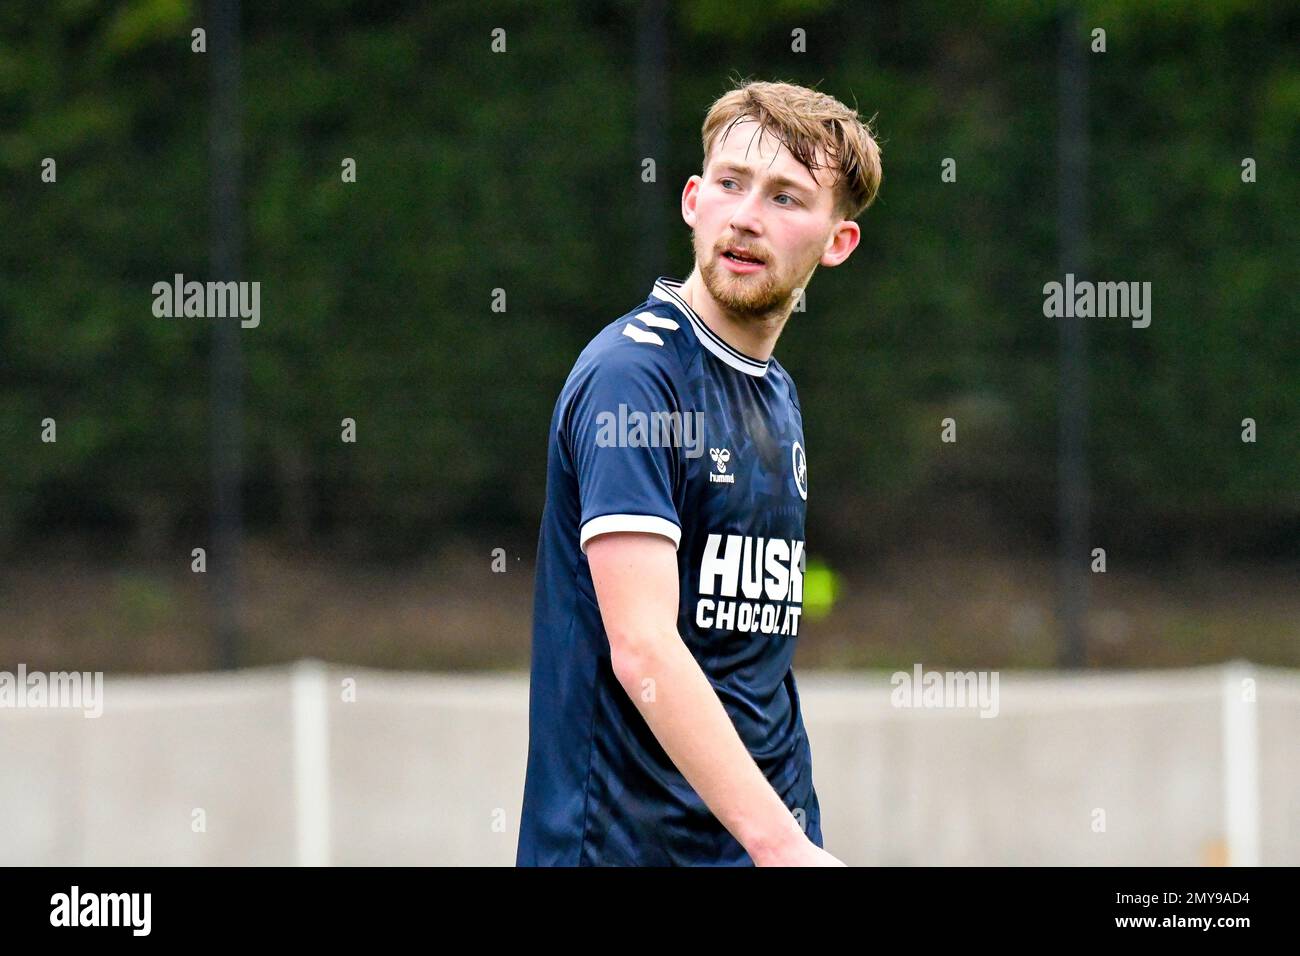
68, 610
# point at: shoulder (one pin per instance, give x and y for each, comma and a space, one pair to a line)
635, 361
777, 369
641, 348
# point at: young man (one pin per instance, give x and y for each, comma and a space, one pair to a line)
664, 722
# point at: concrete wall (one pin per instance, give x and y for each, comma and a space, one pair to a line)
275, 767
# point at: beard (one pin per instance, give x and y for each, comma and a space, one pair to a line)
758, 295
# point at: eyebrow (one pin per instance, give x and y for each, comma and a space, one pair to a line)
784, 182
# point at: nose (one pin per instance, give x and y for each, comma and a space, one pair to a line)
745, 217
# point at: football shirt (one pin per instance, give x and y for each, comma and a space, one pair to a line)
662, 427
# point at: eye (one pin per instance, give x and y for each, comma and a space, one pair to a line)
725, 180
789, 197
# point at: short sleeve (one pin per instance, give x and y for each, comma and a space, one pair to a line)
625, 431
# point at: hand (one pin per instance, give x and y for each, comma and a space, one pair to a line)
802, 852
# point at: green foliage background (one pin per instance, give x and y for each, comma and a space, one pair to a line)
519, 171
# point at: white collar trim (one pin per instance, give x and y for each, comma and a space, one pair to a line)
667, 289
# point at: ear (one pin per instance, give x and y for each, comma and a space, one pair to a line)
841, 243
691, 195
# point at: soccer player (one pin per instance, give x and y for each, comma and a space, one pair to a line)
664, 721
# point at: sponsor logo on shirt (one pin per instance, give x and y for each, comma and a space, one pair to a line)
751, 585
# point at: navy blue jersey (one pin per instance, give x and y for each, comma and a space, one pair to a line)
662, 427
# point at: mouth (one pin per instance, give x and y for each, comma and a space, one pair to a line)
740, 261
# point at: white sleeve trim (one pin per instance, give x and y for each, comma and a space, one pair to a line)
649, 523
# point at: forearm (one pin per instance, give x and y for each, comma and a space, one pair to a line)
683, 711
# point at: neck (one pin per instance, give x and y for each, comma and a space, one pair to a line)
755, 336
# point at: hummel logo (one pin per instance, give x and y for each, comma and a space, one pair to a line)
720, 458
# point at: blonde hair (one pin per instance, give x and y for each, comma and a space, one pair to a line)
806, 121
